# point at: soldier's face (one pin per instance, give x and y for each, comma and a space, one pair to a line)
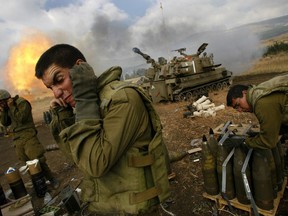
3, 104
241, 104
58, 80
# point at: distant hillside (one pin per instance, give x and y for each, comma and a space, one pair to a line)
268, 29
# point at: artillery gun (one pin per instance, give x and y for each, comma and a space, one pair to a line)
185, 77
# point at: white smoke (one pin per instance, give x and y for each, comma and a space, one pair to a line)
106, 34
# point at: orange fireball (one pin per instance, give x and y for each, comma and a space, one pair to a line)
20, 67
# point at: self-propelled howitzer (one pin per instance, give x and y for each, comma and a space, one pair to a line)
184, 77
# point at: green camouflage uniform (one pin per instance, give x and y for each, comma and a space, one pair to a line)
269, 102
122, 156
19, 118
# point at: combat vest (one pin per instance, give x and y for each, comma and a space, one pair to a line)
276, 84
154, 158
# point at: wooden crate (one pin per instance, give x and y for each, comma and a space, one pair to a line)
20, 207
238, 129
220, 202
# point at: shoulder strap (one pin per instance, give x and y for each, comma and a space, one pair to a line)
278, 83
110, 89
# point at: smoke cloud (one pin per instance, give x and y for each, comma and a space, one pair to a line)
106, 32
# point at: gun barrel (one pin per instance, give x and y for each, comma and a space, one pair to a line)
179, 50
145, 56
137, 50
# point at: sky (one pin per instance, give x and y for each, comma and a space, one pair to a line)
107, 30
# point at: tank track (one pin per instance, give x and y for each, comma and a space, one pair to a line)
193, 93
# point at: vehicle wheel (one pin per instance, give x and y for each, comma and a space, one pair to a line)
219, 86
214, 87
182, 97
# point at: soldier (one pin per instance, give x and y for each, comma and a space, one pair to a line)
16, 113
116, 140
269, 103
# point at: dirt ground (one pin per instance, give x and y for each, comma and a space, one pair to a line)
179, 135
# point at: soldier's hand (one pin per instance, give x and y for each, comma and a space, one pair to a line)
56, 102
234, 141
10, 102
252, 133
84, 92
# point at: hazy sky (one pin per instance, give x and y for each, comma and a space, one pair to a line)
107, 30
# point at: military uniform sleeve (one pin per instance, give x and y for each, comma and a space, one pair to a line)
61, 118
269, 112
96, 145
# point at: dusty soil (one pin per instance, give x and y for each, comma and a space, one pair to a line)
179, 133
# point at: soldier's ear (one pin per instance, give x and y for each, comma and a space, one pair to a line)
79, 61
244, 92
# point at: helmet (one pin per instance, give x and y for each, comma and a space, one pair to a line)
4, 94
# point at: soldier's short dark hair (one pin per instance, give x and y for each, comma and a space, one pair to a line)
235, 91
63, 55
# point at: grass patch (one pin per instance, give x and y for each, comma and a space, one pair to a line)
268, 64
277, 63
